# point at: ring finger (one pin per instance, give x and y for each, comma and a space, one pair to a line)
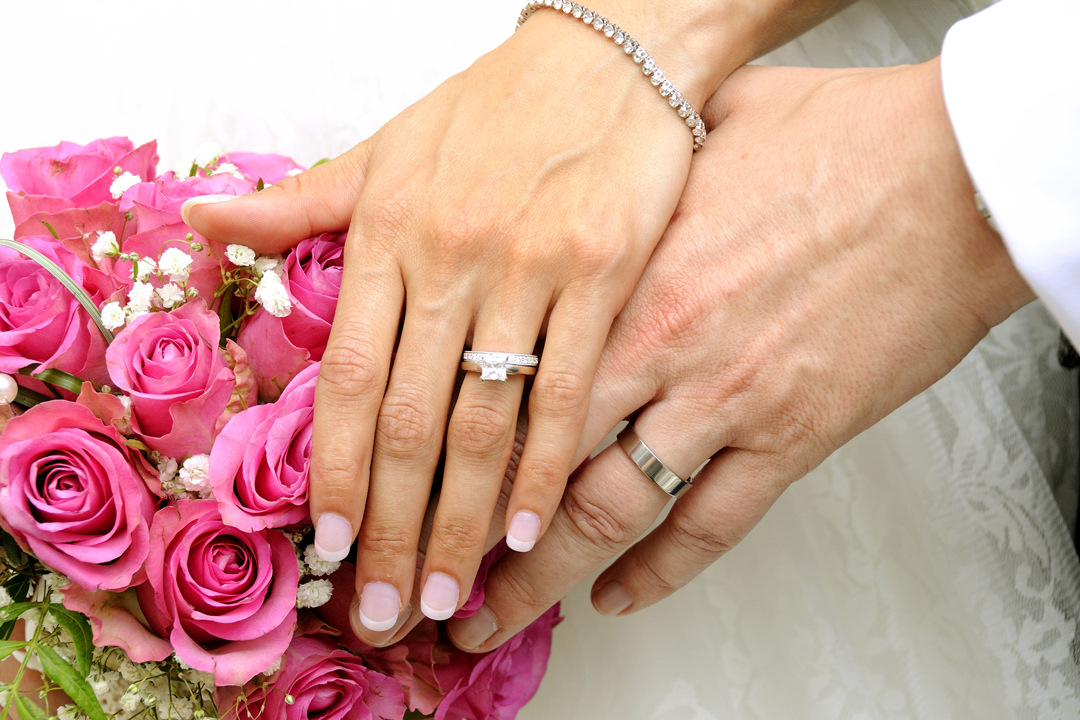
479, 441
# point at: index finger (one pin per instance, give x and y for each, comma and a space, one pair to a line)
350, 389
600, 515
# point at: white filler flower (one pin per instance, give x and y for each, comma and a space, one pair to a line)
208, 153
105, 246
139, 298
267, 263
316, 565
146, 267
176, 264
122, 183
195, 473
273, 296
240, 255
171, 296
230, 169
314, 593
112, 316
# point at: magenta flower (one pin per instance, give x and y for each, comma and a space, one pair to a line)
69, 175
179, 382
324, 682
225, 599
259, 464
280, 348
75, 496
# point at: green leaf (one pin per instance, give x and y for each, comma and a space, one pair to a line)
51, 229
59, 378
81, 636
28, 398
12, 552
225, 313
13, 611
28, 709
65, 279
9, 646
71, 682
137, 444
320, 162
6, 629
259, 185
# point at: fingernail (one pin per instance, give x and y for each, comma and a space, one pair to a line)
185, 209
612, 599
440, 597
524, 529
380, 606
333, 537
472, 632
379, 639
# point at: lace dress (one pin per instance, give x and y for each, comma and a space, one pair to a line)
926, 570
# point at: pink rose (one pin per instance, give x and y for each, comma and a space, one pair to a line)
324, 681
281, 347
41, 321
225, 599
74, 495
52, 179
179, 382
499, 683
266, 166
259, 464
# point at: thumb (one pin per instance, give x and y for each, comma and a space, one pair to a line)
316, 201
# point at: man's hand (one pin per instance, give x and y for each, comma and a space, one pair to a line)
825, 264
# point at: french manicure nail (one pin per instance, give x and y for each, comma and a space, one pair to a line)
524, 529
333, 537
440, 597
380, 606
185, 209
472, 632
612, 599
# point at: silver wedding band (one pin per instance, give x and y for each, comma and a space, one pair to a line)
497, 366
652, 466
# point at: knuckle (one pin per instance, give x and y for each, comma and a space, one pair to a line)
671, 318
389, 541
351, 367
597, 524
458, 228
594, 254
559, 392
654, 579
545, 474
460, 537
518, 592
479, 429
405, 425
699, 539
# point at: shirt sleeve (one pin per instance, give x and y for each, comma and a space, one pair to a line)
1011, 77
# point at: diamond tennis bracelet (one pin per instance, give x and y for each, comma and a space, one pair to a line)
634, 50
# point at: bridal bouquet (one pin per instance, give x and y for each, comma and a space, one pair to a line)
156, 405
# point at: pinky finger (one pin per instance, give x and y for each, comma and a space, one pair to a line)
729, 497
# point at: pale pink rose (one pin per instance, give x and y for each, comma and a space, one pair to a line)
225, 599
158, 203
68, 175
74, 495
259, 464
281, 347
324, 682
179, 382
266, 166
41, 322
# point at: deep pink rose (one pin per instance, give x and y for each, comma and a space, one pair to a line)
225, 599
41, 321
267, 166
180, 383
501, 682
74, 495
324, 681
68, 175
280, 348
259, 464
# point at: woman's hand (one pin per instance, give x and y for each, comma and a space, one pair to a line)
826, 263
522, 197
